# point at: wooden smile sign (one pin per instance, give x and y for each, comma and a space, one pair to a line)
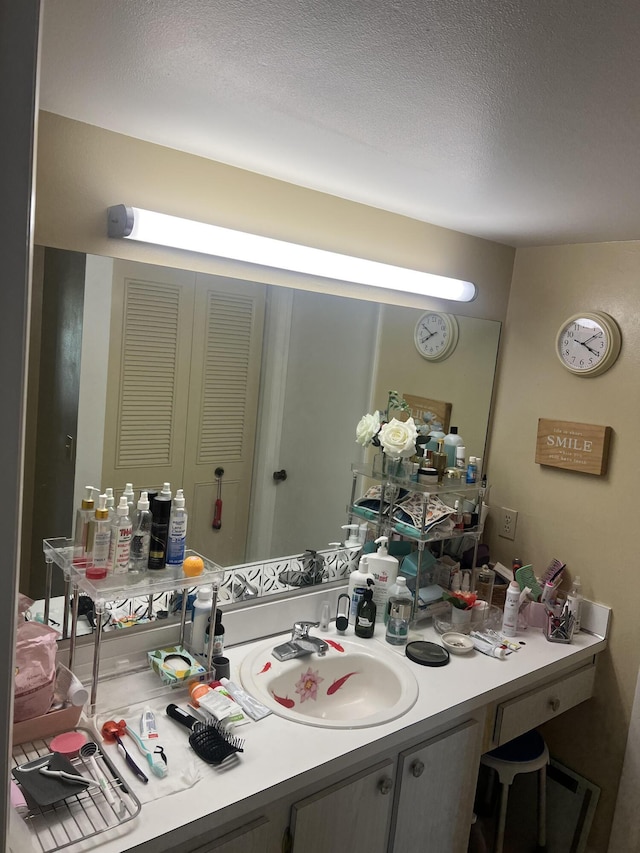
576, 447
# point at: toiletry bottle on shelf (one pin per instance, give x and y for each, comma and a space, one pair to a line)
141, 537
451, 441
160, 514
100, 535
511, 608
177, 538
458, 516
574, 600
357, 584
366, 614
435, 434
353, 536
131, 500
218, 636
472, 471
84, 515
484, 584
121, 530
111, 504
461, 458
200, 617
440, 459
397, 590
384, 569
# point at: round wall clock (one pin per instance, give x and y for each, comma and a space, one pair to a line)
436, 335
588, 343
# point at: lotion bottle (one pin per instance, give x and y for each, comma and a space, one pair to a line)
511, 608
357, 584
141, 536
384, 569
177, 538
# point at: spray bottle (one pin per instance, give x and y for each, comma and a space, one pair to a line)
121, 530
100, 536
141, 537
177, 539
84, 516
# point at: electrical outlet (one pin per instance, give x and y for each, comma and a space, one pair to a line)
508, 521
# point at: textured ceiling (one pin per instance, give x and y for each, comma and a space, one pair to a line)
515, 121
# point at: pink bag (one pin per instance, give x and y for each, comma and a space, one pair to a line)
35, 674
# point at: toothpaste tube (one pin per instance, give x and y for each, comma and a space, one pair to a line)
492, 648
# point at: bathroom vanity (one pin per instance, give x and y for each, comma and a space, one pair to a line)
389, 787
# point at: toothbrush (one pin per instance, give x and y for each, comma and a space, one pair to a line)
157, 760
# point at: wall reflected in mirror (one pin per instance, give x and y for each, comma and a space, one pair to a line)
149, 375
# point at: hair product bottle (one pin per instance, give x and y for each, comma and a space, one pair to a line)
141, 537
177, 538
121, 530
98, 559
160, 514
84, 516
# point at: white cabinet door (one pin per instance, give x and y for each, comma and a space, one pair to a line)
437, 787
352, 815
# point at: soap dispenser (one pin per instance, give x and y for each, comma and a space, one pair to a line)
384, 569
366, 615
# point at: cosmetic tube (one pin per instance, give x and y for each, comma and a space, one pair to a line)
488, 647
256, 710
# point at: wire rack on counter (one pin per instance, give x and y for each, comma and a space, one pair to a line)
82, 815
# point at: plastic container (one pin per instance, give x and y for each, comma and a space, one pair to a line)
141, 537
384, 569
121, 531
366, 614
100, 538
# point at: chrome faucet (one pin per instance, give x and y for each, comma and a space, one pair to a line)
301, 643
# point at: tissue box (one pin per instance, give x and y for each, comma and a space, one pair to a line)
174, 664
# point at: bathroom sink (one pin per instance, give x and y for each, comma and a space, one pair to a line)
354, 685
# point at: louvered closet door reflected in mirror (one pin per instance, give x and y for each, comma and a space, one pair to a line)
182, 393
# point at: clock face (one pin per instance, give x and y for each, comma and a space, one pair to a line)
588, 344
436, 335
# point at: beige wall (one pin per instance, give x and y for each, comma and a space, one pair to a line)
82, 170
585, 520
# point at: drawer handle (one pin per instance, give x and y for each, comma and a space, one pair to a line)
554, 703
385, 785
417, 768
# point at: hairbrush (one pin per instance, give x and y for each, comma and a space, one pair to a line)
209, 741
554, 570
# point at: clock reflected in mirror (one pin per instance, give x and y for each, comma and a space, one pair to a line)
436, 335
588, 343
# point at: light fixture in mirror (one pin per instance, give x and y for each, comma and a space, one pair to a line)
148, 226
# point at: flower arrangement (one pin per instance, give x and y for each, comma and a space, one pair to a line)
460, 600
397, 438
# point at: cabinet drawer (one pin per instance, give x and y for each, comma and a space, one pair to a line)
531, 709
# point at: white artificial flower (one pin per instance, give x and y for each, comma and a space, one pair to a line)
398, 438
367, 428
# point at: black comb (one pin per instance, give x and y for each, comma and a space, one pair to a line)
209, 741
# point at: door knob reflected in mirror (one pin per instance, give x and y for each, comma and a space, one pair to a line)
280, 476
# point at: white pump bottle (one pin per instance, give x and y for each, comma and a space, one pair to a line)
384, 569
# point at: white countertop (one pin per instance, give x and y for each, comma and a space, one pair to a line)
277, 750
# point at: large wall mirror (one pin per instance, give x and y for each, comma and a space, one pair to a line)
147, 374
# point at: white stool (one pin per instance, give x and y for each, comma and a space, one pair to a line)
524, 754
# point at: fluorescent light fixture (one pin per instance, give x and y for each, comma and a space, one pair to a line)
148, 226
